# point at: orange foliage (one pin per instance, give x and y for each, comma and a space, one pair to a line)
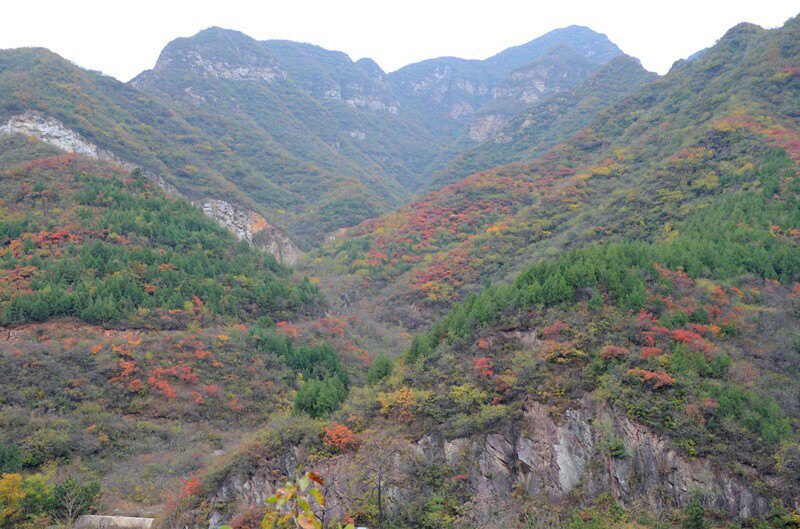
483, 367
555, 330
191, 487
657, 379
613, 351
649, 352
340, 438
287, 328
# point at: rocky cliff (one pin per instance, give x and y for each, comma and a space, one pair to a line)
249, 226
590, 449
49, 130
596, 450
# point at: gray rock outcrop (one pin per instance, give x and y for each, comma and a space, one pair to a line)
540, 457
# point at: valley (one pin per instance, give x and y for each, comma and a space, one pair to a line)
544, 289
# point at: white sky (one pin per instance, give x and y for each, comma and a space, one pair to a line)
122, 38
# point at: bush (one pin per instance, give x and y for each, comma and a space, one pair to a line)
380, 369
319, 398
10, 458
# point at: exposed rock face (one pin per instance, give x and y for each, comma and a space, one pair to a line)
249, 226
485, 127
245, 224
373, 103
255, 486
559, 70
461, 109
232, 72
49, 130
540, 457
544, 457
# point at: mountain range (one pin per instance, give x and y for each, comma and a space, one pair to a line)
545, 289
301, 136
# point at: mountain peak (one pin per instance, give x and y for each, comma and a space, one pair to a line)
583, 40
742, 34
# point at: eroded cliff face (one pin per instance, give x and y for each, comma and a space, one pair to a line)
242, 222
488, 126
255, 70
249, 226
539, 456
37, 125
544, 456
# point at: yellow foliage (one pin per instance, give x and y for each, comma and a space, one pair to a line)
11, 496
709, 182
670, 233
495, 230
399, 405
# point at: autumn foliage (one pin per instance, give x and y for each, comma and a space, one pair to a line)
340, 438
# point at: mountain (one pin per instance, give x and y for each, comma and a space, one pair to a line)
350, 116
633, 364
639, 167
315, 103
47, 97
447, 91
571, 302
276, 137
502, 133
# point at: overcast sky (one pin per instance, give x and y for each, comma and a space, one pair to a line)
124, 38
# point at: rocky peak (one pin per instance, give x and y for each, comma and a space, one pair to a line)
218, 54
372, 69
559, 69
588, 43
456, 88
333, 76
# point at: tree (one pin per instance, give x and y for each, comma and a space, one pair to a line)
380, 458
319, 398
10, 458
74, 496
695, 516
11, 497
340, 438
380, 369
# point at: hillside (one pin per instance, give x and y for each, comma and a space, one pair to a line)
636, 364
643, 165
511, 134
447, 91
548, 289
350, 117
301, 137
254, 172
139, 338
291, 93
634, 384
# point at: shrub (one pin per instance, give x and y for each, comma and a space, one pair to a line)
319, 398
380, 369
